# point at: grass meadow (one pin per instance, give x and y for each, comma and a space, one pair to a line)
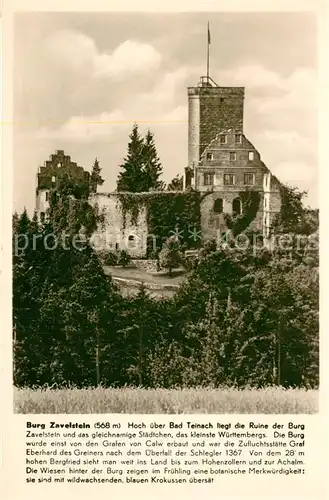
165, 401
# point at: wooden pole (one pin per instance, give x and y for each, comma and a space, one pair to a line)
208, 43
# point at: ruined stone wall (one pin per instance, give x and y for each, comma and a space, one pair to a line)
118, 231
213, 224
58, 166
147, 265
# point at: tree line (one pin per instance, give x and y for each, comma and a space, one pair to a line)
240, 318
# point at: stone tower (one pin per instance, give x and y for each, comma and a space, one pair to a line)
211, 109
222, 162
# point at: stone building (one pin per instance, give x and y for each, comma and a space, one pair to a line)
50, 174
223, 162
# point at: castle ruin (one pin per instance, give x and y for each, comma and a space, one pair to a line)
223, 165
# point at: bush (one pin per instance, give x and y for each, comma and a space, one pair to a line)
110, 259
170, 255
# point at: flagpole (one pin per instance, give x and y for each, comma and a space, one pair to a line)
208, 54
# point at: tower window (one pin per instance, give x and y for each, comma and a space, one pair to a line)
232, 156
53, 179
47, 195
218, 206
208, 179
210, 156
251, 156
249, 179
229, 179
238, 138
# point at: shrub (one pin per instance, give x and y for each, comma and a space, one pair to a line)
123, 258
170, 255
110, 259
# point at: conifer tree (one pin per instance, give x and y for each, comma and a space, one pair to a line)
130, 178
153, 168
95, 177
176, 184
141, 168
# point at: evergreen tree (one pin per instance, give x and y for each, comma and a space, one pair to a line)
176, 184
131, 178
95, 177
153, 168
141, 168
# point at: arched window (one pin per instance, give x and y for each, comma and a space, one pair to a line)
236, 206
218, 206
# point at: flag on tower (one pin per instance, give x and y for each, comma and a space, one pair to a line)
209, 39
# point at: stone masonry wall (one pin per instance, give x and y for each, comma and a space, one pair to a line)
213, 224
117, 233
148, 265
220, 108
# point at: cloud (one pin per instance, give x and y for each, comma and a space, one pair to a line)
105, 125
177, 114
78, 53
287, 142
252, 75
301, 174
84, 128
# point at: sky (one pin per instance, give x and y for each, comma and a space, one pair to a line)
82, 79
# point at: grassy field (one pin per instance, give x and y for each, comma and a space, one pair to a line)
156, 401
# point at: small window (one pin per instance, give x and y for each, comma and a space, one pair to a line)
222, 99
249, 179
42, 216
59, 165
53, 179
229, 179
223, 139
47, 195
238, 138
210, 156
232, 156
208, 179
251, 156
218, 206
117, 246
